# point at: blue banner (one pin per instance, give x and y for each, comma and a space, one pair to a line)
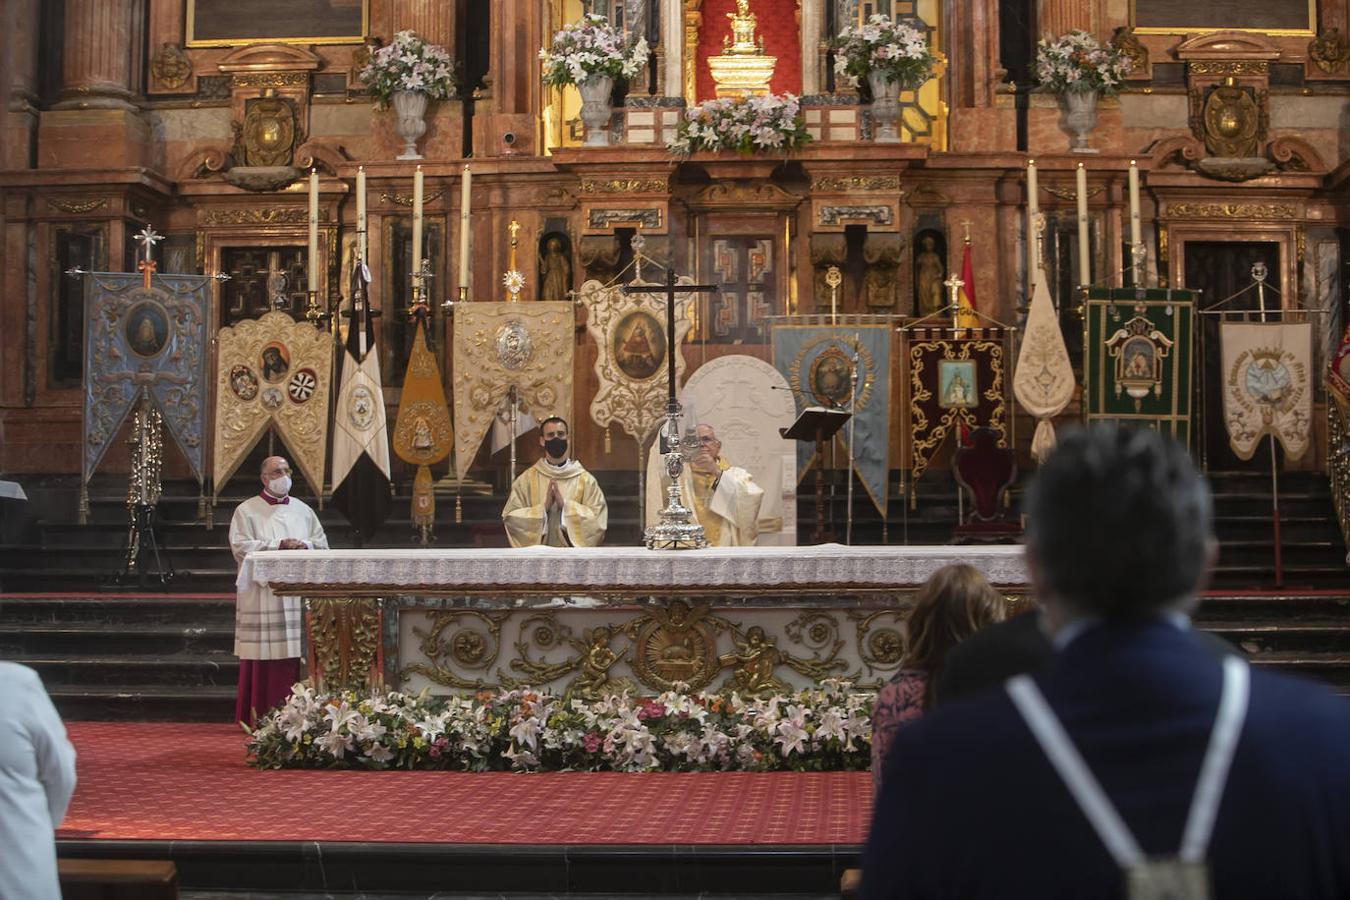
145, 339
818, 361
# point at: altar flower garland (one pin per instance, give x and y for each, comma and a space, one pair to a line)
817, 729
895, 50
590, 47
409, 64
1077, 61
767, 124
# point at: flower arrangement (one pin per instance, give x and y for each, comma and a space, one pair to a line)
746, 125
589, 47
818, 729
1077, 61
895, 50
409, 64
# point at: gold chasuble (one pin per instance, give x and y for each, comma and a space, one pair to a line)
423, 434
580, 523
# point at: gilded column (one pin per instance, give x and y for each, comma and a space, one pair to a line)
433, 20
99, 56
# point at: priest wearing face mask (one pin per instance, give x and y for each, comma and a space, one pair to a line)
267, 627
555, 502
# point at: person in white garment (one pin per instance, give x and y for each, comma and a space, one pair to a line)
724, 498
267, 627
555, 502
37, 777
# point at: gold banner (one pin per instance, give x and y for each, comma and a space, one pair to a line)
423, 434
630, 333
273, 371
500, 345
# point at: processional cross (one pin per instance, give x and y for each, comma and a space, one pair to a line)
674, 531
148, 238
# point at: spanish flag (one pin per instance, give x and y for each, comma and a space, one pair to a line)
965, 301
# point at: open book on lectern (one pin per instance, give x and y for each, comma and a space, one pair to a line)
816, 423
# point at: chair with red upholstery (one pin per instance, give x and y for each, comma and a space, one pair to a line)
984, 470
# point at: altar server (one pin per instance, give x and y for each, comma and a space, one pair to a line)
555, 502
37, 777
267, 627
724, 498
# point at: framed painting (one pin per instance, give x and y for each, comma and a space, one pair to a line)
1290, 17
226, 23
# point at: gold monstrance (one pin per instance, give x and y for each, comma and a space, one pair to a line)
742, 70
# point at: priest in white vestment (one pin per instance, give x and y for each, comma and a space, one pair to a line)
267, 627
555, 502
724, 498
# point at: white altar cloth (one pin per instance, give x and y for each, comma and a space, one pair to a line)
625, 568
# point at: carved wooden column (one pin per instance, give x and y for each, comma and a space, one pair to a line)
1059, 16
100, 53
516, 89
432, 20
18, 81
812, 27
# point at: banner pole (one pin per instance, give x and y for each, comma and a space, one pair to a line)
1275, 512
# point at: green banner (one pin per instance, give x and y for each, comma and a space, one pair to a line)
1138, 358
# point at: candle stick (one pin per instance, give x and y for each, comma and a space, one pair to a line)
313, 230
464, 196
670, 339
1135, 237
1084, 254
417, 225
361, 213
1033, 207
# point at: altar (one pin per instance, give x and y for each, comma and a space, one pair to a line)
591, 622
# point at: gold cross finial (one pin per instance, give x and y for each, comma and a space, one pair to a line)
954, 285
514, 229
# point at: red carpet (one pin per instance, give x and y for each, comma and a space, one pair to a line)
164, 781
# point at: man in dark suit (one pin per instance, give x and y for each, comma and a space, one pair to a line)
1132, 709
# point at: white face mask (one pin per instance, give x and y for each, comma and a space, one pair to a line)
280, 487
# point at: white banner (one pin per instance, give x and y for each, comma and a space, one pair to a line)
1267, 387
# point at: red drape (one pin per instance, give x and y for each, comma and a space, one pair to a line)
777, 25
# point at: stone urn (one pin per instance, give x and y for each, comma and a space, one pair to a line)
885, 107
595, 109
1080, 117
410, 110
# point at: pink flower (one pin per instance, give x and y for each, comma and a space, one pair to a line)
592, 742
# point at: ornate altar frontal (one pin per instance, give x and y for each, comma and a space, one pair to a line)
602, 620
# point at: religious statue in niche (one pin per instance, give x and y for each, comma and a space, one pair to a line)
555, 267
930, 270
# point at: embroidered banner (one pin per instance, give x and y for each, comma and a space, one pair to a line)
1338, 372
1044, 382
953, 379
817, 361
1267, 387
630, 336
500, 345
272, 371
423, 433
1138, 358
151, 340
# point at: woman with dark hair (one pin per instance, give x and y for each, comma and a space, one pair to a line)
954, 603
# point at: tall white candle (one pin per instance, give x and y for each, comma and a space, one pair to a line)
313, 230
417, 221
1084, 251
361, 213
1135, 225
1033, 243
465, 192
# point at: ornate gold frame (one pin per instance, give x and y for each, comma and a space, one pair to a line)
240, 42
